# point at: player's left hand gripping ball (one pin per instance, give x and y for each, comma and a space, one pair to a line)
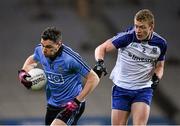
22, 75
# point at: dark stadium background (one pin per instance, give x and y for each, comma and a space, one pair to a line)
85, 24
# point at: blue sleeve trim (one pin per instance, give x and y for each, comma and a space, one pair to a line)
77, 58
36, 56
161, 43
123, 39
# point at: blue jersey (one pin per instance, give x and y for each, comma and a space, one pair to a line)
63, 74
136, 59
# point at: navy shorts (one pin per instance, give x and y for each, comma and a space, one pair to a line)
122, 99
55, 112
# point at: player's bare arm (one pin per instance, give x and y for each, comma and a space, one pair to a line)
100, 51
159, 69
92, 81
158, 73
30, 63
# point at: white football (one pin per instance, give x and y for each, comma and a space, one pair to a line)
38, 78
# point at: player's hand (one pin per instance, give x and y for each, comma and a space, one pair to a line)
155, 81
22, 74
99, 68
70, 108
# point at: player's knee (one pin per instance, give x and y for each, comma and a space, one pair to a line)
140, 120
119, 122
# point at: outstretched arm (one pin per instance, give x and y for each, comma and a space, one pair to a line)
100, 51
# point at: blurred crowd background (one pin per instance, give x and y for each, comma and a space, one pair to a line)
84, 24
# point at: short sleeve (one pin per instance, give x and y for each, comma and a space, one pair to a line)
163, 48
37, 53
123, 39
79, 66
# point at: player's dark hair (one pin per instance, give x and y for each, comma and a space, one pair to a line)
145, 15
51, 33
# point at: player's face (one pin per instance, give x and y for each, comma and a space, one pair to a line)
49, 48
143, 30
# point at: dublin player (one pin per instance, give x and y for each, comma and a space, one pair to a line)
64, 69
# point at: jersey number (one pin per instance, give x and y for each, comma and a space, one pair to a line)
144, 50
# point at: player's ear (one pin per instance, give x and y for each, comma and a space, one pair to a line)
152, 27
59, 43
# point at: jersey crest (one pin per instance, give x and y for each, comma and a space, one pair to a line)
55, 78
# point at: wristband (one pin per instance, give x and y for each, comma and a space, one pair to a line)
77, 101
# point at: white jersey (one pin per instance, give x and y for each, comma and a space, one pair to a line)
136, 59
